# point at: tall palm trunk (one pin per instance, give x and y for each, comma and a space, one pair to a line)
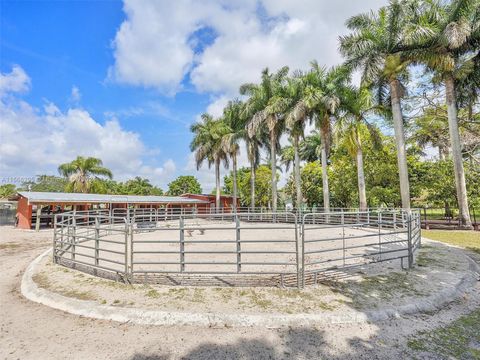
252, 184
441, 153
297, 174
234, 163
457, 152
361, 180
217, 185
324, 159
400, 143
273, 160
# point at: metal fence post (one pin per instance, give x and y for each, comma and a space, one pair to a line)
54, 258
380, 233
127, 227
237, 238
409, 239
74, 236
182, 244
303, 252
130, 248
395, 221
97, 241
297, 251
343, 234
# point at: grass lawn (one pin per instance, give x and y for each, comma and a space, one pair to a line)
458, 340
466, 239
461, 338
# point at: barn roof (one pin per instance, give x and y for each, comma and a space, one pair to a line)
58, 197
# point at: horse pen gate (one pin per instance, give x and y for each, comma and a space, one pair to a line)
232, 249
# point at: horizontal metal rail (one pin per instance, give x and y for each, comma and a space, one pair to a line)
152, 241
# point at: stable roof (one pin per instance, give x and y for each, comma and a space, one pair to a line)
58, 197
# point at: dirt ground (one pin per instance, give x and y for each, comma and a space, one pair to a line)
32, 331
369, 287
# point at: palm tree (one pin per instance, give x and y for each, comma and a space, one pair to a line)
253, 153
322, 98
82, 171
373, 46
448, 47
353, 128
260, 110
431, 128
297, 111
207, 144
311, 147
287, 156
234, 132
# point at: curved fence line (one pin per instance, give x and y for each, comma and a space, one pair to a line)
267, 248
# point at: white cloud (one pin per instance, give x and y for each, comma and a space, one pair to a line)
157, 45
36, 141
215, 108
15, 81
75, 95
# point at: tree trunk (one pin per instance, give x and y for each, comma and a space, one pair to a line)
441, 153
361, 181
217, 185
297, 174
464, 215
273, 160
252, 185
400, 142
326, 192
234, 163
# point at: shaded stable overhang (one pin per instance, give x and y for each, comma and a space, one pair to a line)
80, 198
208, 196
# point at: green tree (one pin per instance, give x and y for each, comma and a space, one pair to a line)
46, 183
353, 128
234, 132
82, 171
184, 184
311, 147
450, 33
287, 156
141, 186
311, 184
322, 97
207, 144
7, 190
261, 110
262, 186
374, 47
439, 186
108, 186
296, 113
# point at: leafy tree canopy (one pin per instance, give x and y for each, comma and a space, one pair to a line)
262, 186
184, 184
7, 190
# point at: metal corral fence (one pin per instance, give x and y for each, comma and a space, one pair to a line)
267, 249
7, 216
447, 218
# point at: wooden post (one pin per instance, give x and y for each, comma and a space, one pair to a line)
37, 220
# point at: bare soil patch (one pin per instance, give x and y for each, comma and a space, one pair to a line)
373, 286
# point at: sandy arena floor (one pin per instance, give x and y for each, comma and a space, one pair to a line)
32, 331
210, 246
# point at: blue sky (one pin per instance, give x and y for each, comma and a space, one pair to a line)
123, 81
